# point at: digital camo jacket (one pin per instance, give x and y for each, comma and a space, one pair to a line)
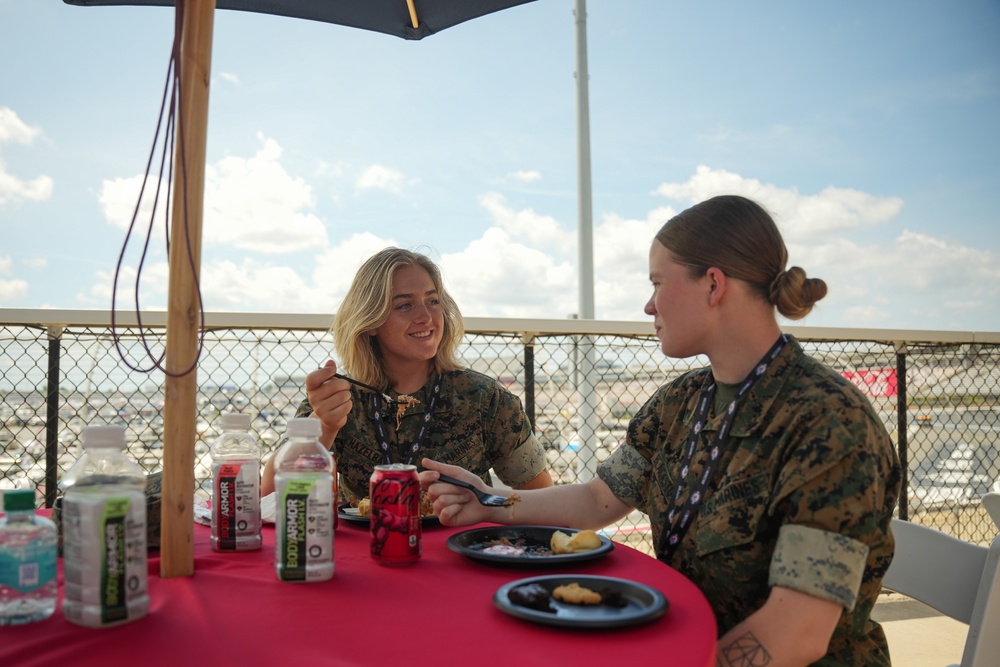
803, 496
477, 424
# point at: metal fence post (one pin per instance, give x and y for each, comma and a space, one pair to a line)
529, 377
52, 416
901, 434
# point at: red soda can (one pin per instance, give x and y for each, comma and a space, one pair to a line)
394, 492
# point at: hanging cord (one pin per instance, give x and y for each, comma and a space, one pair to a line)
171, 89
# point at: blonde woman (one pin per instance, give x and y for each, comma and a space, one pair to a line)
398, 329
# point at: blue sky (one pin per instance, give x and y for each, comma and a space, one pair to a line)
868, 129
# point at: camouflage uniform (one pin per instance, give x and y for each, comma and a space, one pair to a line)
477, 424
802, 497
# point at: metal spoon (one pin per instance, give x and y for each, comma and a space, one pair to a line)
487, 499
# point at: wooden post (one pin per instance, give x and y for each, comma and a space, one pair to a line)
183, 307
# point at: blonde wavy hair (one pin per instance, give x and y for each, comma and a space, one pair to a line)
366, 306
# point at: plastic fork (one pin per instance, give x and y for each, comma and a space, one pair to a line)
487, 499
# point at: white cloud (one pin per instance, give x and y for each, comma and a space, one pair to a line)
152, 289
254, 285
380, 177
497, 276
13, 188
12, 128
524, 263
832, 211
118, 202
527, 225
268, 287
250, 203
525, 176
870, 284
12, 289
621, 264
36, 262
254, 204
336, 266
332, 170
229, 77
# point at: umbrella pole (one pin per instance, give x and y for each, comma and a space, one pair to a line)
183, 306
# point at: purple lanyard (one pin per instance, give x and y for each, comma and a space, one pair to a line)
383, 435
679, 519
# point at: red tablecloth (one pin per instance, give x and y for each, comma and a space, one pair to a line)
233, 611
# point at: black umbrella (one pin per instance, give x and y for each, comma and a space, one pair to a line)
408, 19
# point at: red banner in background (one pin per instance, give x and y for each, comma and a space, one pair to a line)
874, 381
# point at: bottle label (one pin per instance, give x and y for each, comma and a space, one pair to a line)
236, 505
104, 552
304, 526
113, 575
29, 568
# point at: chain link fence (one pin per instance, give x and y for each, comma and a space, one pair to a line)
938, 399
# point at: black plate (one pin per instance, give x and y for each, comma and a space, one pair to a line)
472, 542
643, 603
350, 515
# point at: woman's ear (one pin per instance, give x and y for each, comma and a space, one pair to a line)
717, 284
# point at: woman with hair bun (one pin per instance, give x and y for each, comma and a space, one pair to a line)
768, 478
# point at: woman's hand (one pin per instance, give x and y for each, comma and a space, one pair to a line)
330, 398
454, 505
590, 505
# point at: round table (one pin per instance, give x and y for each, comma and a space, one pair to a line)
234, 611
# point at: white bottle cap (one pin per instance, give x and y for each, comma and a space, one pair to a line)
235, 420
104, 436
304, 427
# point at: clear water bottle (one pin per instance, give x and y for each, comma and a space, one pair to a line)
28, 586
235, 486
104, 533
303, 517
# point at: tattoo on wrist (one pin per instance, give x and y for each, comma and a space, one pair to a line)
744, 651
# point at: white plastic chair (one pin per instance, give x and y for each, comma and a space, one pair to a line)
957, 578
991, 503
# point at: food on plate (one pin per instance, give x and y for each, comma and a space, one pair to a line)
533, 596
612, 598
585, 540
402, 404
504, 548
512, 547
364, 507
426, 508
536, 596
574, 593
537, 545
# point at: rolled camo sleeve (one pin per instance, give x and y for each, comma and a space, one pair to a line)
518, 456
523, 463
819, 563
